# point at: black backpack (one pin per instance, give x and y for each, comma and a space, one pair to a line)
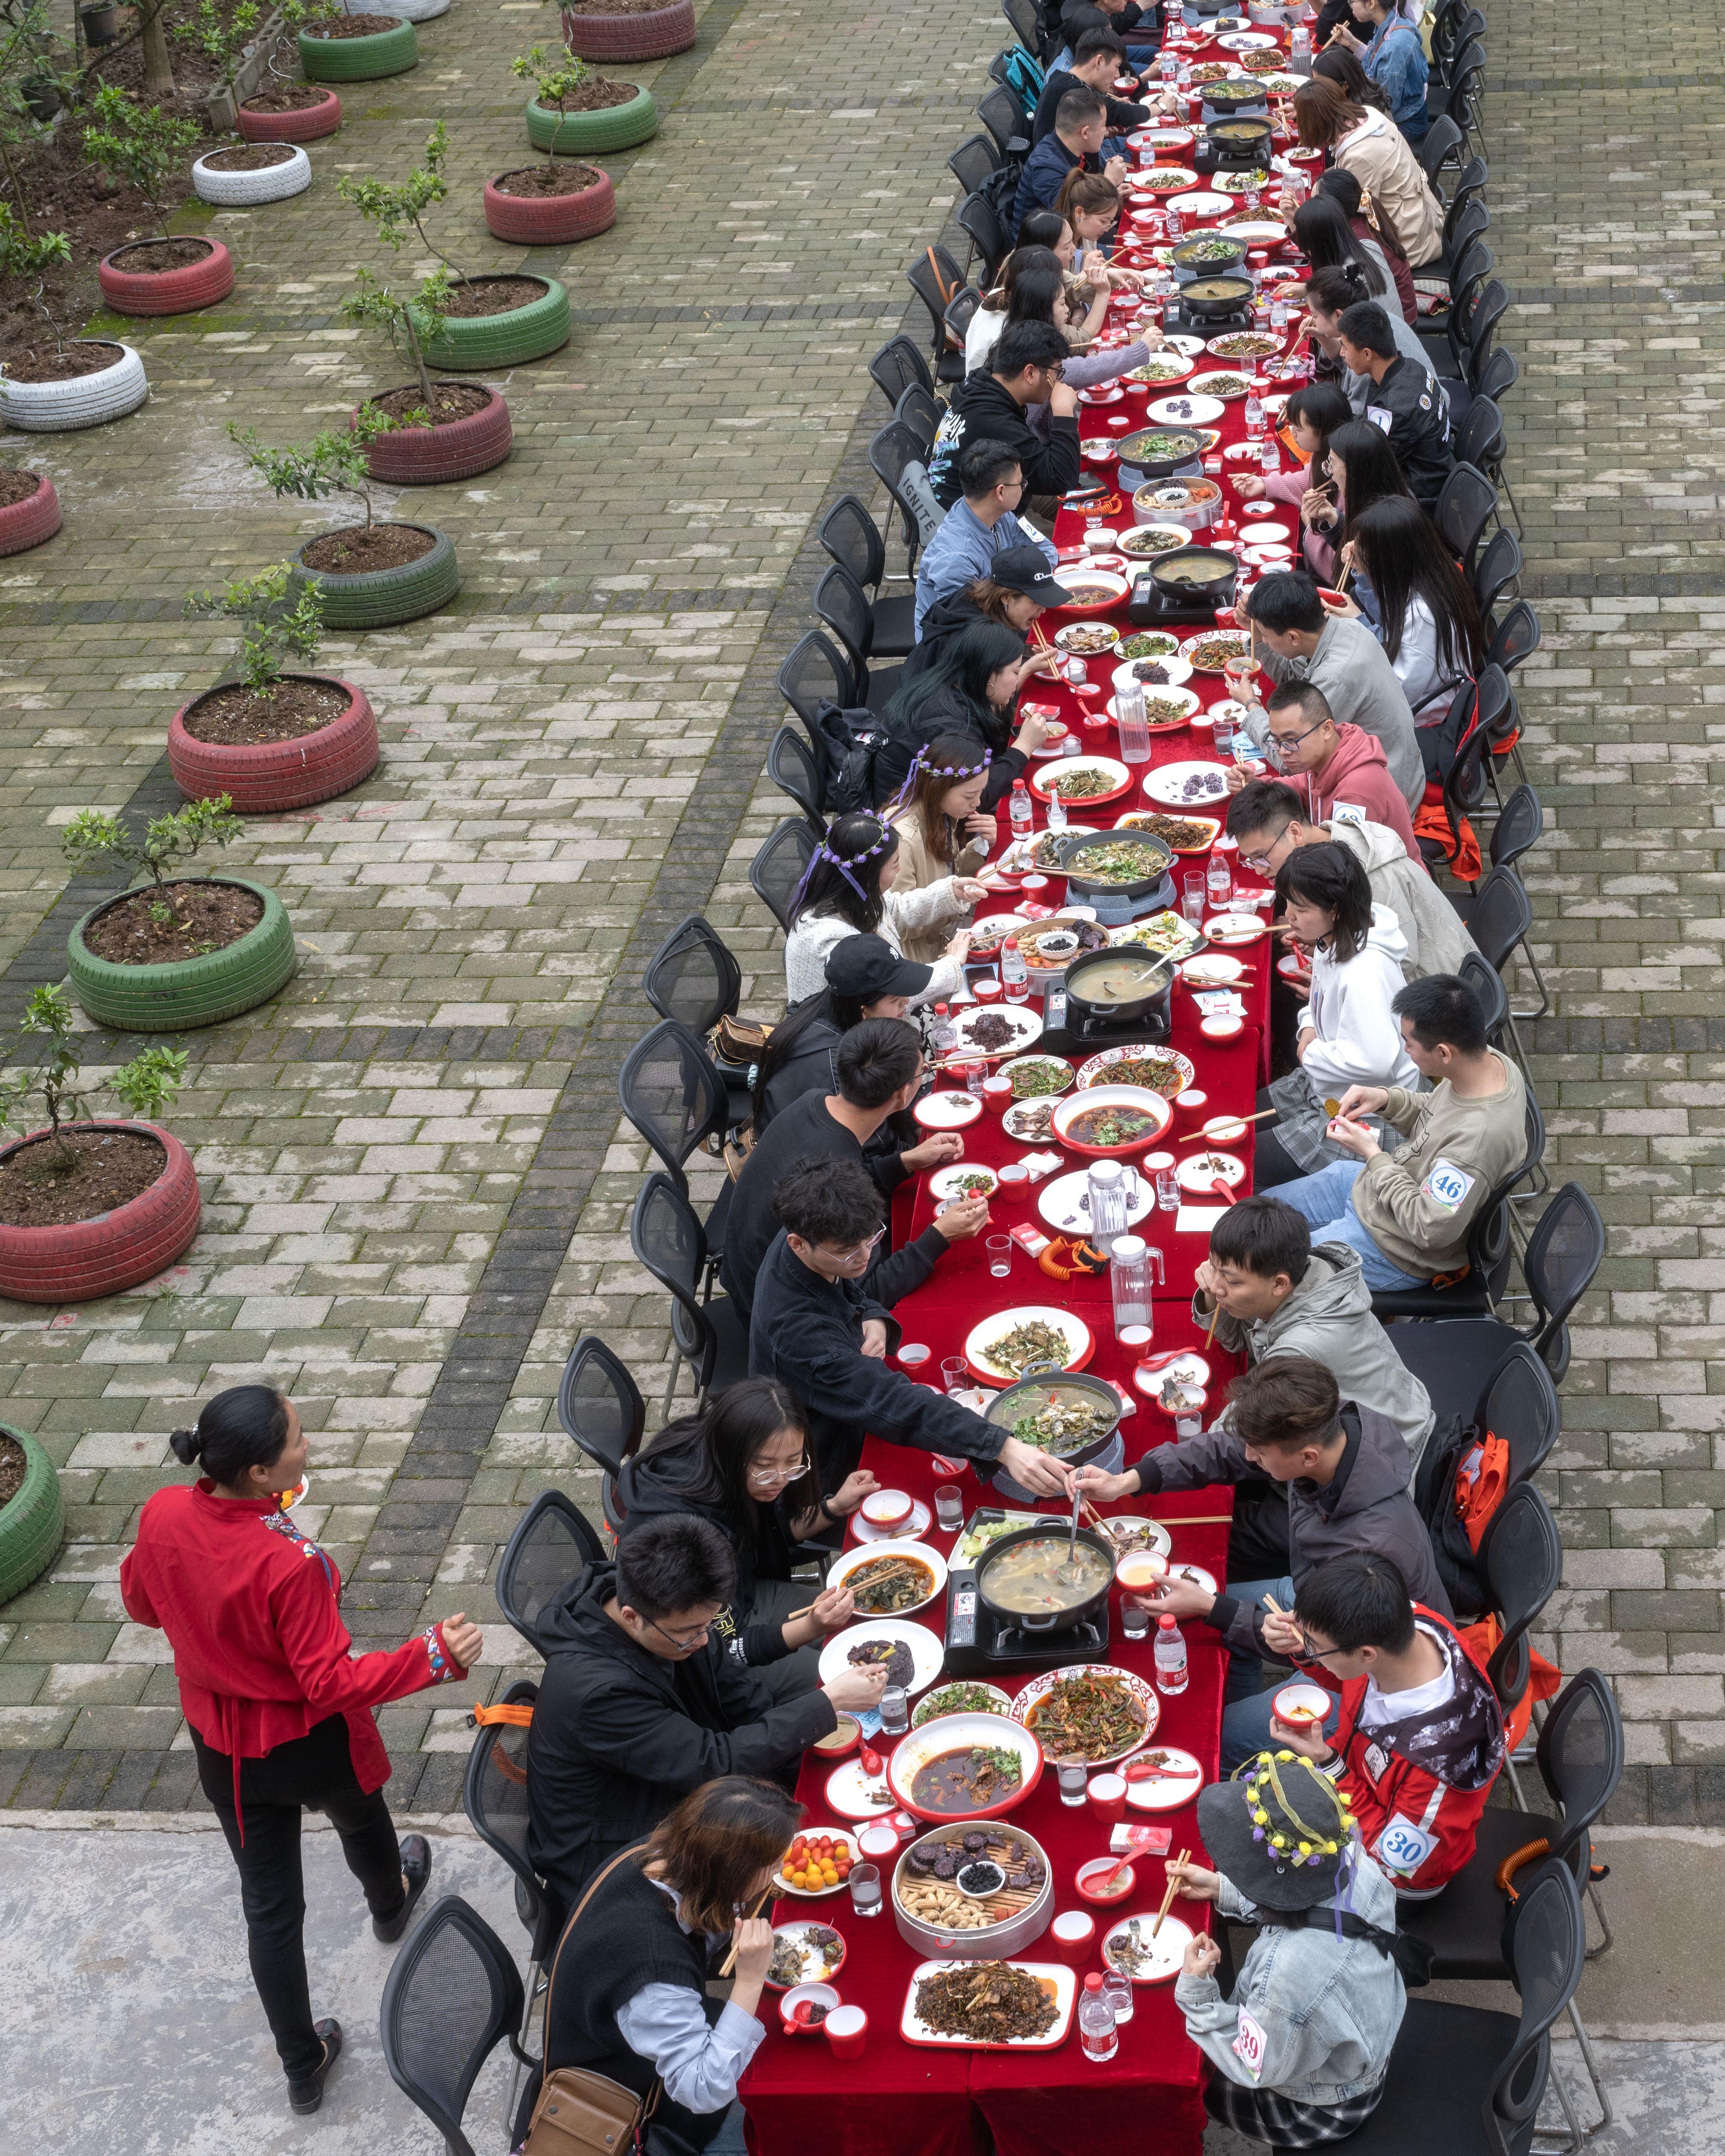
1434, 1494
849, 740
1000, 191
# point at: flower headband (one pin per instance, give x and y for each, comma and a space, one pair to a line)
1297, 1842
887, 839
920, 763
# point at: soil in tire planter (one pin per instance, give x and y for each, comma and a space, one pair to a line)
17, 486
237, 717
71, 364
150, 257
255, 157
456, 401
109, 1169
359, 550
206, 917
356, 26
274, 102
12, 1464
598, 93
491, 296
548, 179
613, 6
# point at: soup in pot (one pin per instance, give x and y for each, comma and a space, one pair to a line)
1026, 1579
1127, 981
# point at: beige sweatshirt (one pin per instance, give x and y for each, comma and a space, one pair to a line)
1418, 1203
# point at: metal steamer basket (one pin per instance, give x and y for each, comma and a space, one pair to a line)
989, 1942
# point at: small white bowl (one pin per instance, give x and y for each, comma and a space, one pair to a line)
887, 1508
1222, 1028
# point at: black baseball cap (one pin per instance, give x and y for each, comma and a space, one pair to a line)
868, 968
1026, 569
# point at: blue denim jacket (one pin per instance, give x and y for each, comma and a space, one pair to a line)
1329, 2008
1395, 60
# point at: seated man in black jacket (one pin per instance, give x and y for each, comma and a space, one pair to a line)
1402, 400
818, 1330
880, 1068
640, 1701
1098, 58
1137, 27
988, 406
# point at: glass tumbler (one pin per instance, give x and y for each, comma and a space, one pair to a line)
999, 1255
865, 1883
949, 1507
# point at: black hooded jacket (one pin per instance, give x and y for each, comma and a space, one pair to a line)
982, 409
951, 712
620, 1737
648, 1488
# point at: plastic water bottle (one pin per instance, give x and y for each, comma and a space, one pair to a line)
1023, 816
1184, 77
1015, 974
1169, 64
1254, 413
1279, 316
1170, 1657
1219, 880
1271, 458
1095, 2022
1056, 811
942, 1035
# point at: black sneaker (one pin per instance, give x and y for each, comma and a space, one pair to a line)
306, 2096
416, 1870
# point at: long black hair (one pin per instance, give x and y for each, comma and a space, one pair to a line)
952, 693
1373, 472
707, 1456
1339, 185
1323, 235
1398, 548
1330, 876
845, 876
244, 1427
1342, 68
786, 1039
1324, 408
1034, 291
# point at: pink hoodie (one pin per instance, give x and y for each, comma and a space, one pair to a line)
1358, 775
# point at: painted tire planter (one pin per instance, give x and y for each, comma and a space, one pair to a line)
359, 59
269, 777
653, 36
115, 1250
310, 123
60, 408
458, 449
165, 291
27, 523
33, 1522
374, 598
186, 991
614, 127
471, 344
548, 220
276, 182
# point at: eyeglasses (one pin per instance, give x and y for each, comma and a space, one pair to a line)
1281, 745
779, 1474
856, 1249
676, 1640
1308, 1653
1259, 864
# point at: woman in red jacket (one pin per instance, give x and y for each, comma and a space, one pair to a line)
279, 1708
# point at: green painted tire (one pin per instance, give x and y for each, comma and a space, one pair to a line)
31, 1522
186, 992
617, 127
382, 596
483, 342
359, 59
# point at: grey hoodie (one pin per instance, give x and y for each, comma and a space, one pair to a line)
1328, 1317
1437, 940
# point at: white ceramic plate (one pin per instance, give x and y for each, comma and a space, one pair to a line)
945, 1110
854, 1794
1060, 1982
1080, 1342
1281, 86
1235, 929
1038, 1688
1240, 452
1180, 341
1177, 669
1247, 41
1064, 1204
1163, 367
929, 1707
1119, 778
816, 1970
1204, 204
1201, 1170
1168, 934
1026, 1026
1169, 695
1168, 1796
1167, 784
781, 1885
1110, 393
1157, 1537
1014, 1063
919, 1521
899, 1545
1169, 180
1255, 231
1186, 411
1166, 538
1263, 532
1096, 1072
1063, 637
1213, 969
1239, 641
1203, 382
1166, 1952
946, 1182
927, 1651
1267, 557
1145, 819
1264, 346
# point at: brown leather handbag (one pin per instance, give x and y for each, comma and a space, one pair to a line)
580, 2112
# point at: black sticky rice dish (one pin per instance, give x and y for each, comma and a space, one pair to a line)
901, 1662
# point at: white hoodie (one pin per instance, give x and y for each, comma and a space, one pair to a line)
1360, 1041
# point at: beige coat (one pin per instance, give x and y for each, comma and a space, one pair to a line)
918, 869
1377, 156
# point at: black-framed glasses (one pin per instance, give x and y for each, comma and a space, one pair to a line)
682, 1645
1259, 864
1281, 745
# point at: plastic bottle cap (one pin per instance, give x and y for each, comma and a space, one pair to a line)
1012, 942
1093, 1982
1129, 1246
1165, 1622
940, 1010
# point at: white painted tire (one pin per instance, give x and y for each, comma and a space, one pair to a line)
61, 407
288, 176
404, 11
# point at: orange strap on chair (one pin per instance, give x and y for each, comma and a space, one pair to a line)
518, 1716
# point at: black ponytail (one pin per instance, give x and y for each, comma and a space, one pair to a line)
246, 1426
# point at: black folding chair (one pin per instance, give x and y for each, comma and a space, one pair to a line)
1443, 141
1516, 638
693, 978
452, 1995
1563, 1255
778, 866
1493, 997
1026, 25
1469, 184
959, 313
897, 364
892, 450
1499, 921
1497, 568
934, 277
1516, 831
552, 1543
1002, 112
976, 219
1522, 1558
1497, 375
917, 410
793, 770
843, 607
852, 536
1456, 26
599, 1405
971, 163
671, 1090
495, 1798
1479, 438
709, 1335
1464, 508
1487, 1374
1488, 1248
811, 672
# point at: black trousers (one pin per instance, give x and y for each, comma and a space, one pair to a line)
314, 1773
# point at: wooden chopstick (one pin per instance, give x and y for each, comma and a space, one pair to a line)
1168, 1899
730, 1960
1262, 1116
1200, 1519
1209, 1337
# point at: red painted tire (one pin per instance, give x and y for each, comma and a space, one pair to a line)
28, 523
550, 220
423, 456
115, 1251
653, 36
309, 124
167, 291
274, 776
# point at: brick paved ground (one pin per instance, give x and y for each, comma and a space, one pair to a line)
571, 762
